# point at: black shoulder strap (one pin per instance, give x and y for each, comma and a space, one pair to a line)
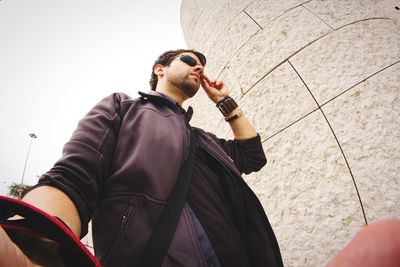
157, 247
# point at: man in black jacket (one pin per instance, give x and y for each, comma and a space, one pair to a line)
122, 161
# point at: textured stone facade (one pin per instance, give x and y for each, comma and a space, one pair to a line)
320, 80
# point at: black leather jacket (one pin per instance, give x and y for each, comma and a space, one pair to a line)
121, 164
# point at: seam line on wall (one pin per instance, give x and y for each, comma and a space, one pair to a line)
237, 50
249, 5
360, 82
290, 9
338, 143
348, 166
322, 105
309, 10
286, 59
286, 127
244, 44
296, 52
240, 85
244, 11
361, 20
261, 29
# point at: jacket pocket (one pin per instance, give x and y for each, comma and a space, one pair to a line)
126, 217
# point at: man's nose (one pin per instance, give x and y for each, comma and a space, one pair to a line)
199, 69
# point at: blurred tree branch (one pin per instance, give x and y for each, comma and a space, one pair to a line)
18, 190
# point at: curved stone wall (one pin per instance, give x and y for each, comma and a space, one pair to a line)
320, 81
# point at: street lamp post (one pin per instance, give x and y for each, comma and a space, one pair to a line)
33, 136
3, 192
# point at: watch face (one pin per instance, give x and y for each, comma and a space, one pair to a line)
227, 106
223, 110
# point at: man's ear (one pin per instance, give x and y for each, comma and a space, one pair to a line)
159, 70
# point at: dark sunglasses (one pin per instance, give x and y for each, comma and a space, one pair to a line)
188, 60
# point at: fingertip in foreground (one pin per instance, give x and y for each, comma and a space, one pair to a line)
377, 244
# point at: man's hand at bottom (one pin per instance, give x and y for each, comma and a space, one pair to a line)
11, 255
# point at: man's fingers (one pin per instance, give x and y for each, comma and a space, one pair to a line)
205, 84
377, 244
219, 84
205, 78
210, 83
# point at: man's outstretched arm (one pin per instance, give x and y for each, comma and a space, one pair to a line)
52, 201
55, 203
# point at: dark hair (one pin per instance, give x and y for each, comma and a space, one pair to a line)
166, 58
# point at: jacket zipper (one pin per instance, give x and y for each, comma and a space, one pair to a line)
122, 224
125, 217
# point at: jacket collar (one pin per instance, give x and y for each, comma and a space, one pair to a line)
168, 101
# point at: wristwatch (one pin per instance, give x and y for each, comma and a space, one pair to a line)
227, 105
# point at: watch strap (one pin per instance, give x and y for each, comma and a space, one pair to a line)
227, 105
234, 116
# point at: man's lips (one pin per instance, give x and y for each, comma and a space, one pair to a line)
197, 76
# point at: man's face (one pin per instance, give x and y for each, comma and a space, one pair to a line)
185, 72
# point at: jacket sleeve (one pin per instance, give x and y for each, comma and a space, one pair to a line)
248, 155
87, 156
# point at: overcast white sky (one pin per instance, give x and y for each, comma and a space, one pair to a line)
59, 58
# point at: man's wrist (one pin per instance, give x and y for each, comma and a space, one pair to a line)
226, 105
229, 108
236, 113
